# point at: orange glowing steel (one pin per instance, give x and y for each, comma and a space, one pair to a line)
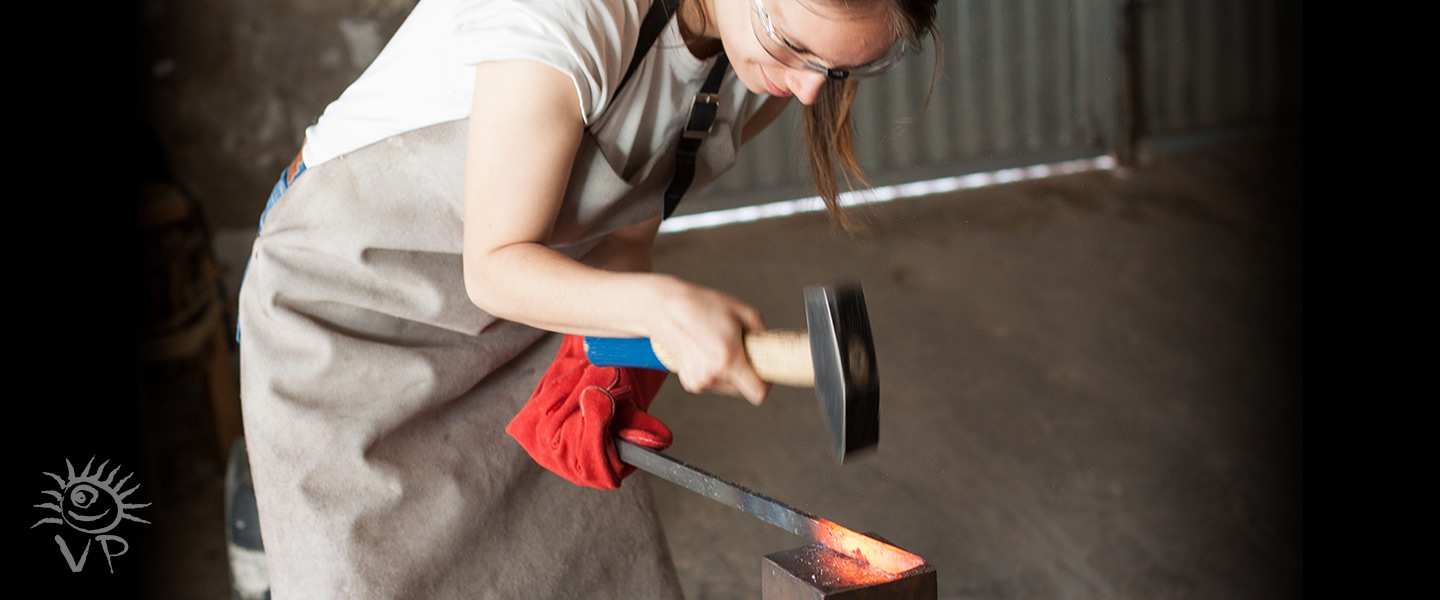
865, 549
833, 570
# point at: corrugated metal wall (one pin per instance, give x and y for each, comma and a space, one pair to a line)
1030, 81
1212, 63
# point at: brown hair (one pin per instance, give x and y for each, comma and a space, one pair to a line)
827, 122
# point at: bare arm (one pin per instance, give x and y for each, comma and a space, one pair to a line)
521, 148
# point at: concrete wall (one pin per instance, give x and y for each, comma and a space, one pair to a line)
230, 85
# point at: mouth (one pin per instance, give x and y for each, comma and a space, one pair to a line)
770, 85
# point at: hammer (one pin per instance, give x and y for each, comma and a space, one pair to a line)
836, 357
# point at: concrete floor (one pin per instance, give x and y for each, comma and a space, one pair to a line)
1091, 388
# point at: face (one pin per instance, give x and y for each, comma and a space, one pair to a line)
813, 35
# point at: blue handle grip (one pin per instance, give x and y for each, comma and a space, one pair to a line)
622, 352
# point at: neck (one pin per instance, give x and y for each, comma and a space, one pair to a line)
698, 31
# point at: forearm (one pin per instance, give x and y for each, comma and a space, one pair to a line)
622, 252
610, 293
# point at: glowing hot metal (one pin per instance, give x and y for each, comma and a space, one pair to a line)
863, 548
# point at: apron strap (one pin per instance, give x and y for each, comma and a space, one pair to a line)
702, 117
702, 109
655, 21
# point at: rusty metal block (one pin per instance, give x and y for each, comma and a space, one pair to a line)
815, 572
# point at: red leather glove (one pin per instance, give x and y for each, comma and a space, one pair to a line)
571, 421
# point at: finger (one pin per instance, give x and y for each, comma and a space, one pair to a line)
646, 430
725, 389
690, 385
751, 319
752, 388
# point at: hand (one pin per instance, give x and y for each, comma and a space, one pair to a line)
703, 332
570, 422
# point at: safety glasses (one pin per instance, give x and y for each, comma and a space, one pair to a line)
793, 57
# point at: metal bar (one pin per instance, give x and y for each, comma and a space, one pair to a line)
878, 554
718, 489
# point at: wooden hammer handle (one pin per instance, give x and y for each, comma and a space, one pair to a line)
782, 356
779, 356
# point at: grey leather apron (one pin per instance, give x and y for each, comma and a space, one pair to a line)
375, 395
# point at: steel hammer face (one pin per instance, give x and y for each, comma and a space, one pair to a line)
843, 351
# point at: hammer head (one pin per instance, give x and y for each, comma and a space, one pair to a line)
844, 355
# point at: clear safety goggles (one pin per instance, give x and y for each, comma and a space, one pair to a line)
792, 57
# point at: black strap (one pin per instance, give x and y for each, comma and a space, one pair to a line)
702, 117
702, 109
655, 21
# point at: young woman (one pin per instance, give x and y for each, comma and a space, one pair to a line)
493, 176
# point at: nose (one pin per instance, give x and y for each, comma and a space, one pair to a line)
805, 84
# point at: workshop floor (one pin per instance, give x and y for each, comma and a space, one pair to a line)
1091, 388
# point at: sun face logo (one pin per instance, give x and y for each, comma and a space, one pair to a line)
90, 505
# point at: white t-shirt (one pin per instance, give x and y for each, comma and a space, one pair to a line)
426, 75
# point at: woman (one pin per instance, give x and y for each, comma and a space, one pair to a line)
493, 176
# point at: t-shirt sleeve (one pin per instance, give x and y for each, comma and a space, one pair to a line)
588, 40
